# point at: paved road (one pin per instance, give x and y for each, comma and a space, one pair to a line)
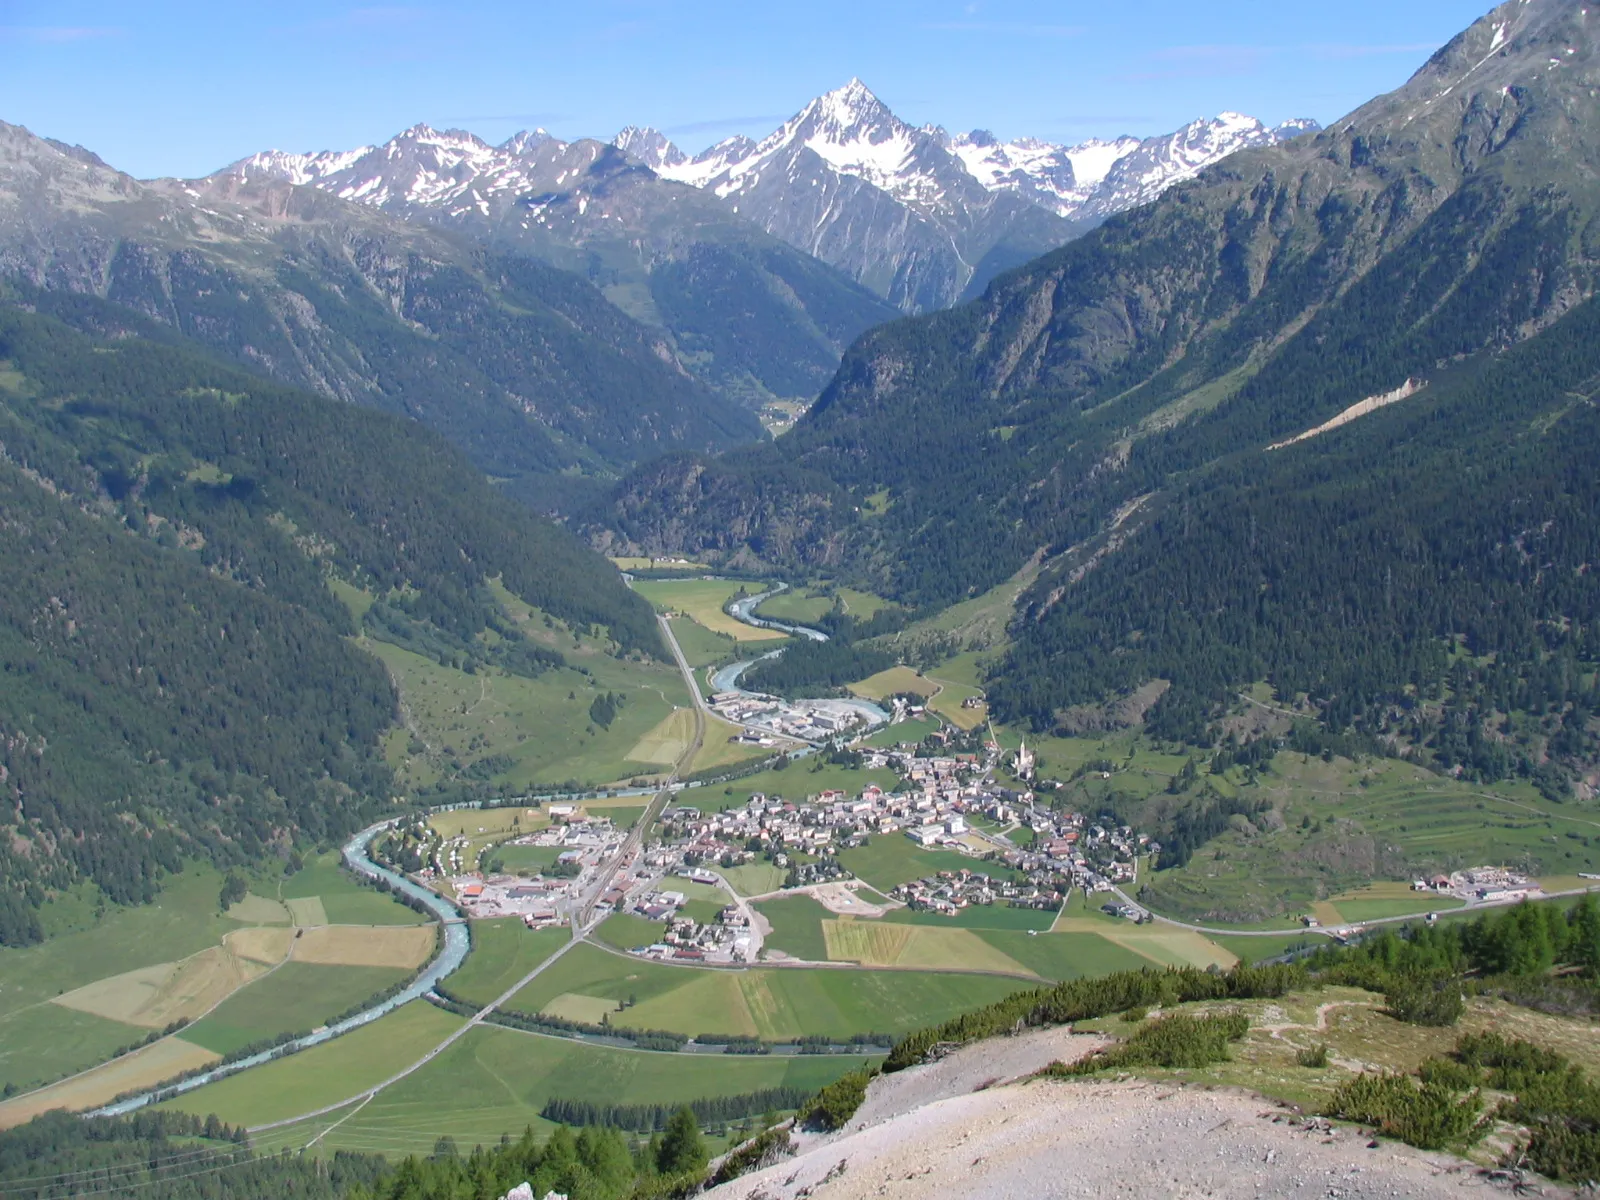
1328, 932
583, 917
454, 1037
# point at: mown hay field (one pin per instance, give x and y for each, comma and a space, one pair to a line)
141, 1069
702, 601
325, 1074
403, 946
153, 997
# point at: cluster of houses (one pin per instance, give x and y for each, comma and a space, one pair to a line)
765, 719
584, 843
948, 892
933, 809
939, 798
726, 939
1077, 852
1479, 884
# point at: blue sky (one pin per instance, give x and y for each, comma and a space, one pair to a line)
163, 87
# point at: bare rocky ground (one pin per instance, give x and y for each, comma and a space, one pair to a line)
956, 1128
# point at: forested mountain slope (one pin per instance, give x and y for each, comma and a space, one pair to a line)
750, 315
1150, 365
174, 671
526, 367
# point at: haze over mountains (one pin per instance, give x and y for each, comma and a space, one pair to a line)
1110, 411
921, 216
1118, 415
918, 217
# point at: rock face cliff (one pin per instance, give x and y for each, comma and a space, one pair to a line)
743, 311
526, 366
1456, 215
1113, 406
921, 217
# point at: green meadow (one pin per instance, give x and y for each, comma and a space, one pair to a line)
293, 998
325, 1074
494, 1081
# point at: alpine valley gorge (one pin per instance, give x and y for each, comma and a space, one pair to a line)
578, 667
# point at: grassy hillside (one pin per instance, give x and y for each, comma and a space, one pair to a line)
179, 673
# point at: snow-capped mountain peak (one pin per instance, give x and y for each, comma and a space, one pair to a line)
525, 142
650, 147
1035, 170
296, 168
1092, 160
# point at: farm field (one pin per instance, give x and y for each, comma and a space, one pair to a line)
46, 1041
587, 970
344, 901
754, 879
623, 811
625, 932
796, 927
85, 996
775, 1003
82, 996
977, 916
889, 860
702, 601
894, 681
701, 647
911, 730
181, 921
779, 1003
1254, 949
667, 742
947, 703
503, 951
404, 947
1378, 900
794, 782
1163, 945
1057, 956
143, 1068
526, 860
155, 996
720, 750
295, 998
541, 725
882, 944
798, 606
495, 1081
324, 1074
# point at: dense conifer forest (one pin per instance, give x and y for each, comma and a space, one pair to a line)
176, 674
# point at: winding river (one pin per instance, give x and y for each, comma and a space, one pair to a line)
727, 678
451, 956
456, 939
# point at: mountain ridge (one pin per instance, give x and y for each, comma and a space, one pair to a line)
676, 260
845, 163
1093, 397
528, 367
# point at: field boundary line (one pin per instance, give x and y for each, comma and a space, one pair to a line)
455, 1036
795, 964
364, 1102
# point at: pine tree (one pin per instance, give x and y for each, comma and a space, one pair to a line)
682, 1151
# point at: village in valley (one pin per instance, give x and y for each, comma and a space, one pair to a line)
950, 798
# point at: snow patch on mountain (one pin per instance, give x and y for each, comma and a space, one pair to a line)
856, 135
